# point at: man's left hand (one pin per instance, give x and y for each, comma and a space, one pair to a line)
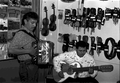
91, 71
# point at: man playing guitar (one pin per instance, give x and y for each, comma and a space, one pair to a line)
80, 56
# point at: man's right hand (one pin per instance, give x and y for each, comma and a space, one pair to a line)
32, 51
61, 74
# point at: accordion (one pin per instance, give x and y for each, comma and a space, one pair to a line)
45, 52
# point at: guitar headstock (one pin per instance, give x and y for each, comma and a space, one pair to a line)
106, 68
53, 6
45, 9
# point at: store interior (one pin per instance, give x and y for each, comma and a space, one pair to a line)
102, 32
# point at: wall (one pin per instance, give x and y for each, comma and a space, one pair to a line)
108, 30
52, 34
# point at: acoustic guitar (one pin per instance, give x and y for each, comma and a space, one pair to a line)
70, 70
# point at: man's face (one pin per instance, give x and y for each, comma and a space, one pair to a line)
30, 24
81, 51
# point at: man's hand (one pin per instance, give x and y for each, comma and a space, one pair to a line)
91, 71
32, 51
61, 74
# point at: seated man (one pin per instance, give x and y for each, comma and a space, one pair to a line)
80, 58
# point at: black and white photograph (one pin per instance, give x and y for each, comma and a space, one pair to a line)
59, 41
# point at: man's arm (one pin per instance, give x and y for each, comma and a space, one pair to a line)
18, 51
16, 46
57, 60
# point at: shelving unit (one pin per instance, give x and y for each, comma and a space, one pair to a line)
11, 12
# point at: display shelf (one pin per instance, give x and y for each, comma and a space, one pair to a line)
3, 30
10, 18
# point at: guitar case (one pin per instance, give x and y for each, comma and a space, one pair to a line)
100, 15
92, 20
67, 16
65, 47
79, 37
85, 39
65, 42
108, 13
112, 54
115, 16
73, 18
84, 16
93, 46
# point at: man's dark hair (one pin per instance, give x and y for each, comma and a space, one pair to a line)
81, 44
30, 15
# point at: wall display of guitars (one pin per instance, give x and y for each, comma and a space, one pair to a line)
112, 14
45, 22
49, 26
69, 40
72, 69
91, 18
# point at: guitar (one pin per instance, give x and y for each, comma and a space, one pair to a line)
52, 25
45, 22
70, 70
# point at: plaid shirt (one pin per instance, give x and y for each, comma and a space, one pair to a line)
24, 41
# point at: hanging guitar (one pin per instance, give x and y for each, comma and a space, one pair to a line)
118, 50
115, 15
52, 25
45, 29
73, 18
67, 19
93, 46
78, 18
76, 67
100, 45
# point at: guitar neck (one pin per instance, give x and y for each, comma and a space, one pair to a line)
85, 69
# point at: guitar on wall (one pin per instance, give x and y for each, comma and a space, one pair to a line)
76, 67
